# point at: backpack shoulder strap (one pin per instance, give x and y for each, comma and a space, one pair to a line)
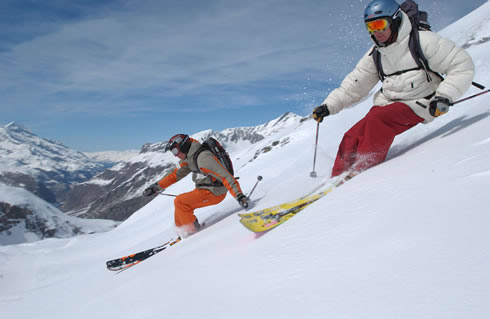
416, 49
418, 54
377, 62
196, 155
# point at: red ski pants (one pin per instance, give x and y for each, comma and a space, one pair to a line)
367, 143
186, 203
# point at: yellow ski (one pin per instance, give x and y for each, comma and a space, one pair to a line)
268, 218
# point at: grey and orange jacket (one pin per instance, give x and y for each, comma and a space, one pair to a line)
208, 171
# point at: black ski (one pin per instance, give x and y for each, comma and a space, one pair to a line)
131, 260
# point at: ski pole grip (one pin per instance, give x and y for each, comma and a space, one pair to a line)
478, 85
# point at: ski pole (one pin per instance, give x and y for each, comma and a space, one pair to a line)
259, 178
313, 173
470, 97
165, 194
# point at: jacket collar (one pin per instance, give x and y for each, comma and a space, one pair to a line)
405, 28
195, 145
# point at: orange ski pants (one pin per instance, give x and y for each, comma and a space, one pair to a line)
186, 203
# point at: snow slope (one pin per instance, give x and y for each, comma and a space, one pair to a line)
406, 239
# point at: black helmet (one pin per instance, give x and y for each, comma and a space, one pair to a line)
179, 143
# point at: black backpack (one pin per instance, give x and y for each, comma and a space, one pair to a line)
419, 22
418, 18
211, 144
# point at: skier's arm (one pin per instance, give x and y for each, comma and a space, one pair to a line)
175, 176
445, 57
355, 86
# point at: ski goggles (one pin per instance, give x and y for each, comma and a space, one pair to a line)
175, 150
377, 25
175, 142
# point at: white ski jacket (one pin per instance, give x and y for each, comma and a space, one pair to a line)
443, 56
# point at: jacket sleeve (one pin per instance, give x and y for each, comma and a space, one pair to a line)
175, 176
355, 86
211, 165
445, 57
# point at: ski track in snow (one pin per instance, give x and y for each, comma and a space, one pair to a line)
481, 174
483, 142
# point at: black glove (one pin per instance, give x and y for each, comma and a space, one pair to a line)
153, 189
243, 200
320, 112
439, 106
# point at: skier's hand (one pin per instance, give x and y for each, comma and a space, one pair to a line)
439, 106
153, 189
243, 200
320, 112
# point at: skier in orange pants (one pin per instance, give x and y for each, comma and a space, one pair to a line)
186, 203
212, 181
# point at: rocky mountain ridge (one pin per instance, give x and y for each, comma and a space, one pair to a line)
110, 158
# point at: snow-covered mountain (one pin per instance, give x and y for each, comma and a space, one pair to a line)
406, 239
110, 158
116, 193
24, 217
45, 168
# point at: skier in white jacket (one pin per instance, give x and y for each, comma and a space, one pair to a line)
409, 94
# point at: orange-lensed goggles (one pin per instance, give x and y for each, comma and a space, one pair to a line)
377, 25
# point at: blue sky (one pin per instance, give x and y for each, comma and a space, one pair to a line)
113, 75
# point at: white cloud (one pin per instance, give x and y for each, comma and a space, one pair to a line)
162, 49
